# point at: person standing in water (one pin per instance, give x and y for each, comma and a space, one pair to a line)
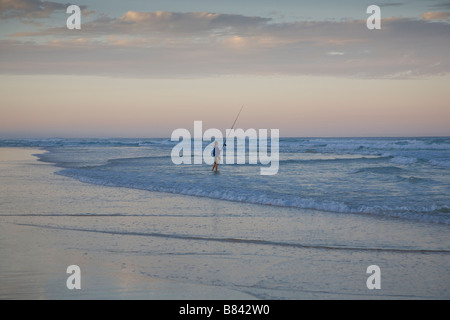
216, 154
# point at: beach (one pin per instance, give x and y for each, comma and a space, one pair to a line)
140, 244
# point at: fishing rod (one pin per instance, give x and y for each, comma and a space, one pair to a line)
224, 144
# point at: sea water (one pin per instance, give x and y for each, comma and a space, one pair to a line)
406, 178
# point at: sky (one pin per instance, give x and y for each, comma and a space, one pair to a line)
145, 68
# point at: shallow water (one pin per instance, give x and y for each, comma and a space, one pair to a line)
407, 178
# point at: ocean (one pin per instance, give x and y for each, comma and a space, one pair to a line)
404, 178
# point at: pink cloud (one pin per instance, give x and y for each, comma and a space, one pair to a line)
438, 15
171, 44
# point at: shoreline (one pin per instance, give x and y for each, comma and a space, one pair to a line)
369, 215
37, 244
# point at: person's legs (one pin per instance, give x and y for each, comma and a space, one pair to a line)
216, 163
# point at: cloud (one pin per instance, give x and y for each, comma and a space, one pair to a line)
175, 22
171, 24
439, 15
27, 9
335, 53
196, 44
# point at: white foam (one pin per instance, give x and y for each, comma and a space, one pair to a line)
418, 213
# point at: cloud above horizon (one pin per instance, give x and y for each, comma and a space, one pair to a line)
32, 9
28, 8
193, 44
437, 15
